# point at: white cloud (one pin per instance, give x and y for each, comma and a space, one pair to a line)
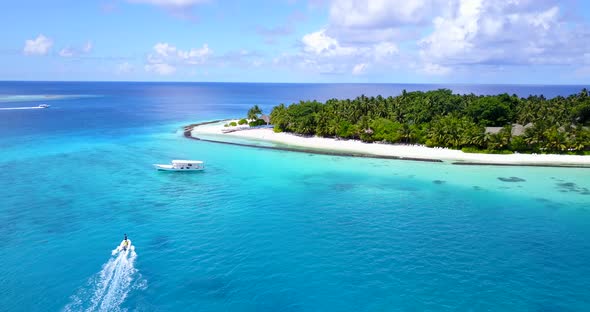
195, 56
384, 51
322, 53
124, 68
160, 69
170, 3
87, 48
454, 35
485, 32
320, 43
38, 46
166, 58
382, 13
164, 49
434, 69
359, 69
437, 37
192, 56
66, 52
74, 52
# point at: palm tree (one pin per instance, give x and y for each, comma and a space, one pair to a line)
254, 112
406, 133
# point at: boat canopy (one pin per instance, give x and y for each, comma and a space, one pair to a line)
187, 162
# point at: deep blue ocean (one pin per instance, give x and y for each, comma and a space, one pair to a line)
264, 230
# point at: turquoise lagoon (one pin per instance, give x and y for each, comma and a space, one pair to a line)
265, 230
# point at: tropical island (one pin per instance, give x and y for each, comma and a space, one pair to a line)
433, 125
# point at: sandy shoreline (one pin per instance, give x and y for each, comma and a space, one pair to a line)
357, 148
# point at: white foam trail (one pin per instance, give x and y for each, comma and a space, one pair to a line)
15, 108
108, 289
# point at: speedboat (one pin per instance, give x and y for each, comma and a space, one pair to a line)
125, 246
44, 106
182, 165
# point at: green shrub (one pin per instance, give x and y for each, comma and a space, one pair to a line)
386, 130
346, 130
226, 125
242, 121
471, 149
233, 124
257, 122
518, 144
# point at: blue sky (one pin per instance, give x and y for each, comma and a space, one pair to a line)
400, 41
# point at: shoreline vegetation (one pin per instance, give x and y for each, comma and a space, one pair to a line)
431, 126
483, 124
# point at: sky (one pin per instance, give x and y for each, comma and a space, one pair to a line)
388, 41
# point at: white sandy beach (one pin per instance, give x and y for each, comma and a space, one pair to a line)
390, 150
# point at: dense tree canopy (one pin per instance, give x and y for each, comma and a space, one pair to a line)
441, 118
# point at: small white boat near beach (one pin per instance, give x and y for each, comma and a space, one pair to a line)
182, 165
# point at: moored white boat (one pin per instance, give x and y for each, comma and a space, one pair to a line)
182, 165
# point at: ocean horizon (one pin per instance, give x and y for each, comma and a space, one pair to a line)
265, 230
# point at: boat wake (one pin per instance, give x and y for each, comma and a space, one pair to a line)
108, 289
19, 108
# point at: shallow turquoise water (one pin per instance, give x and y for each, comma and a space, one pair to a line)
268, 230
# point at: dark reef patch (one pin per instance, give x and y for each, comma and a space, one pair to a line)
566, 187
542, 200
342, 187
511, 179
439, 182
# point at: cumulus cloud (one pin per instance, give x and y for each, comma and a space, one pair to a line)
438, 37
38, 46
322, 53
165, 58
382, 13
321, 44
384, 51
160, 69
359, 69
485, 32
74, 51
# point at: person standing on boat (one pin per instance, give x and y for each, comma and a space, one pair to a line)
125, 242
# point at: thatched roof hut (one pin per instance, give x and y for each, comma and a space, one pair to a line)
266, 119
517, 129
520, 129
493, 130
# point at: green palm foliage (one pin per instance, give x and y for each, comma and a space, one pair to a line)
441, 118
254, 112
